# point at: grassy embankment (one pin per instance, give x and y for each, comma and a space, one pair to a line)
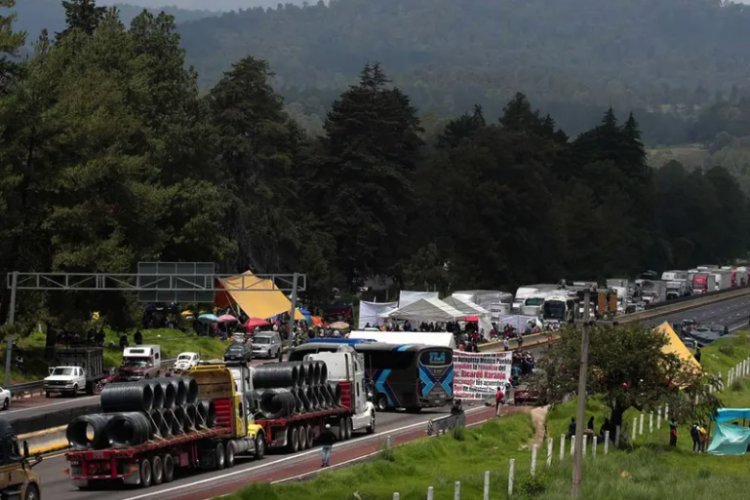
651, 470
172, 343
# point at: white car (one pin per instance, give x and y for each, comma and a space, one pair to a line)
4, 398
186, 360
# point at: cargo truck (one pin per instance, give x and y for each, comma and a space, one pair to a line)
17, 481
237, 432
76, 369
703, 282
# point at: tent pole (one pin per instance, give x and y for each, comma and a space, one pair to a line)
290, 336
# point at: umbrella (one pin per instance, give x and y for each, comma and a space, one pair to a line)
208, 318
471, 319
254, 322
227, 318
339, 325
317, 320
186, 313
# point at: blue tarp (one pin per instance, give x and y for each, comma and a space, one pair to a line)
729, 439
732, 414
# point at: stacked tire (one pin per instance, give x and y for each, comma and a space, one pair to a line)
291, 388
136, 412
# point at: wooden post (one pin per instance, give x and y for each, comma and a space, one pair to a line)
511, 471
486, 495
640, 425
550, 444
635, 428
533, 459
457, 490
593, 447
606, 442
617, 436
562, 447
430, 493
651, 422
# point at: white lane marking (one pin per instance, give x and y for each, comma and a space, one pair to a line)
41, 407
281, 460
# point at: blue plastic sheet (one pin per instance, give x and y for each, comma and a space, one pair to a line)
729, 439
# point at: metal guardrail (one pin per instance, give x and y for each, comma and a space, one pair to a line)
441, 425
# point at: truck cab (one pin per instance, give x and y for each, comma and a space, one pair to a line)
350, 367
65, 380
143, 361
17, 481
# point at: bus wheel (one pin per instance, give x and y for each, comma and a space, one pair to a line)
145, 473
157, 470
310, 436
229, 455
260, 447
381, 403
168, 466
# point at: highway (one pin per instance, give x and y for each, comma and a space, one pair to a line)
274, 467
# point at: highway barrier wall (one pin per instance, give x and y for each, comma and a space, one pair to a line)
55, 418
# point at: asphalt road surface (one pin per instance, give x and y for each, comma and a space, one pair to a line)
200, 485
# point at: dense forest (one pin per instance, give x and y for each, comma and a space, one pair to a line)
110, 155
666, 60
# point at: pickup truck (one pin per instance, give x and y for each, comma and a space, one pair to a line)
143, 361
65, 380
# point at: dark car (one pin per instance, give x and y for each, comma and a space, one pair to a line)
239, 352
704, 335
720, 329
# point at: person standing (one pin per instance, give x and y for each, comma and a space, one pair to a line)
327, 438
695, 435
703, 438
499, 397
673, 433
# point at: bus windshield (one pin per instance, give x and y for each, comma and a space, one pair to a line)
554, 309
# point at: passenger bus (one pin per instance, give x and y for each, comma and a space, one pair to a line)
410, 376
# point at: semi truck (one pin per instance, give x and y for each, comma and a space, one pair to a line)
76, 369
17, 481
703, 282
239, 431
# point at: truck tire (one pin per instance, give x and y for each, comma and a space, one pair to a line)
260, 446
168, 466
157, 470
381, 403
75, 390
32, 492
310, 436
229, 455
342, 429
302, 436
293, 440
145, 473
349, 427
371, 428
219, 456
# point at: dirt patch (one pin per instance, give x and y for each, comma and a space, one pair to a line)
538, 418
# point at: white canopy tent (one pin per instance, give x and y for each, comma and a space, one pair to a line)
427, 310
406, 297
444, 339
471, 309
373, 312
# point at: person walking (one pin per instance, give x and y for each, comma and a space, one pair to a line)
703, 438
695, 435
673, 433
327, 438
499, 398
572, 427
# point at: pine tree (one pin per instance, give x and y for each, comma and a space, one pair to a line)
371, 149
10, 42
462, 128
82, 15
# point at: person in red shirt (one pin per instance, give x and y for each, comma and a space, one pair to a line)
499, 397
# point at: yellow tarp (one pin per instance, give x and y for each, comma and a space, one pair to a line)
259, 298
675, 346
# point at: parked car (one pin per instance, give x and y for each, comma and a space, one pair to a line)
4, 398
186, 361
266, 345
239, 352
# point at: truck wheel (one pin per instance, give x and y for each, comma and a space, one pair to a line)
381, 403
145, 473
371, 427
229, 455
219, 454
310, 436
32, 493
293, 438
75, 390
157, 470
302, 435
168, 467
349, 427
260, 447
342, 429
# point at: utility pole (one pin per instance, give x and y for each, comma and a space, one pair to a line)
580, 414
290, 336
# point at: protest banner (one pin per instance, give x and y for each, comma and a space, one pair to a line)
478, 374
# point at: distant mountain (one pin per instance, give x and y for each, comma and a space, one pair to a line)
213, 5
35, 15
573, 57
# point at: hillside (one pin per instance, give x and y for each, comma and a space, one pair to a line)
573, 58
35, 15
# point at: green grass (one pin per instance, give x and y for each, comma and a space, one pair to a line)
724, 353
437, 462
172, 343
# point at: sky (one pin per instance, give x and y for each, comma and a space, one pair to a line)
214, 5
